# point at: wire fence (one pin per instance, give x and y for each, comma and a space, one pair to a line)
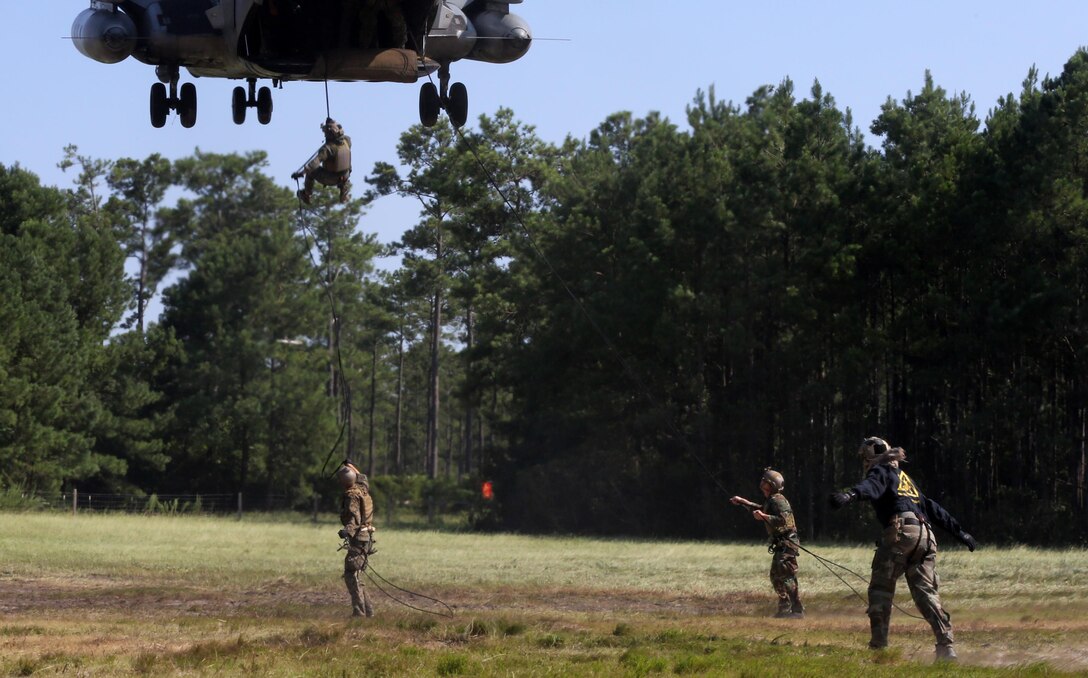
213, 504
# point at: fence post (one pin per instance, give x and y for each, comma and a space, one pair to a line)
315, 508
75, 500
239, 506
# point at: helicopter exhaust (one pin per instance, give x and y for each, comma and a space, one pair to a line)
482, 31
502, 36
105, 35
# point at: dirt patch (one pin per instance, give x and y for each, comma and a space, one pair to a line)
34, 609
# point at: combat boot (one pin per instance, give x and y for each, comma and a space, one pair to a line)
358, 604
345, 191
945, 653
305, 196
795, 605
785, 610
878, 628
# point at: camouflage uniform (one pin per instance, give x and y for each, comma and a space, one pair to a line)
356, 512
784, 547
907, 546
331, 166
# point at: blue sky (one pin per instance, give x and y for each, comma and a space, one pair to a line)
635, 56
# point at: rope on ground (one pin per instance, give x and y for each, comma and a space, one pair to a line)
827, 564
449, 610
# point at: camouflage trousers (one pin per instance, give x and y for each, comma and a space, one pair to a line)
910, 550
784, 579
326, 178
354, 563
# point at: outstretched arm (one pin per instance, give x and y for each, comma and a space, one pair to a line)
938, 515
741, 501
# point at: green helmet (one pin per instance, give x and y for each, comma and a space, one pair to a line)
773, 478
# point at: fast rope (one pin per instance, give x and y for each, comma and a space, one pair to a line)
328, 108
631, 374
345, 388
346, 404
369, 569
827, 563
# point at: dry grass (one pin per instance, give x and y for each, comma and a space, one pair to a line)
126, 595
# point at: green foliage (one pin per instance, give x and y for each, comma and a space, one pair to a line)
17, 498
616, 331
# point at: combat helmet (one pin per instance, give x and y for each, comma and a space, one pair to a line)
872, 448
773, 478
332, 129
346, 475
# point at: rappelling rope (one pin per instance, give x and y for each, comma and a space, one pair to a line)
328, 108
369, 569
345, 391
345, 388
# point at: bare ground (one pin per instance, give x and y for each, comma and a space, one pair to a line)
34, 611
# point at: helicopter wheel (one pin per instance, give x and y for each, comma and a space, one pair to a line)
159, 105
264, 106
238, 105
430, 104
187, 105
457, 106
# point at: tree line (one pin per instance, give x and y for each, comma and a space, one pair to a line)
618, 331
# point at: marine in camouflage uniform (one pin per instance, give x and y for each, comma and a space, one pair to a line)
331, 165
777, 517
907, 545
356, 514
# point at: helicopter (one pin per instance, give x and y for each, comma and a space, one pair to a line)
301, 40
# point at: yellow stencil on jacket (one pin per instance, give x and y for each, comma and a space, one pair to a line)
907, 488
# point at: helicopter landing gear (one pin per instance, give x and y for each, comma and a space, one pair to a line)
453, 99
184, 102
261, 100
430, 104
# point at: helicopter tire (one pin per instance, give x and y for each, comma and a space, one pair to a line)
458, 105
238, 105
160, 108
264, 106
430, 104
187, 105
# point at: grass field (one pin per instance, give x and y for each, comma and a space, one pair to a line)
195, 596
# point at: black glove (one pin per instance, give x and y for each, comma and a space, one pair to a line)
968, 541
343, 534
839, 499
297, 175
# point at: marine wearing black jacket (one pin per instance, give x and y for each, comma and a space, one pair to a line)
892, 492
907, 545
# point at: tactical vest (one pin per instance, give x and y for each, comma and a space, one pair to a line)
776, 505
339, 159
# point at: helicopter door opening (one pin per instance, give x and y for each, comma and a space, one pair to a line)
290, 36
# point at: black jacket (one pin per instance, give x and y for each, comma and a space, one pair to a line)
891, 491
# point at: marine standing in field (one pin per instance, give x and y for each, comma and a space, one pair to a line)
907, 545
777, 517
330, 165
356, 514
